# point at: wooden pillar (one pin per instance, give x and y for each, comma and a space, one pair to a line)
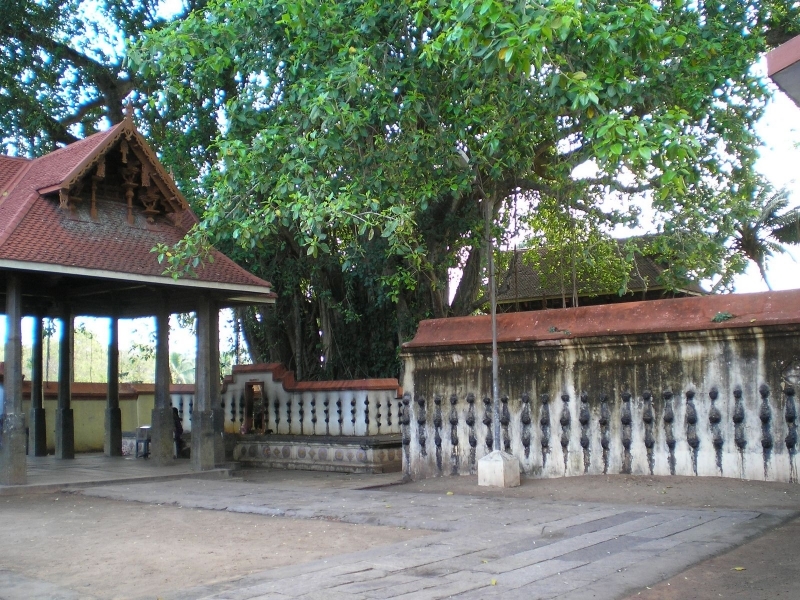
12, 434
112, 441
161, 444
65, 424
37, 438
203, 435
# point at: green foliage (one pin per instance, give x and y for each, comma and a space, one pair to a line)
181, 368
63, 77
766, 229
90, 356
61, 70
358, 143
137, 364
346, 150
571, 252
721, 317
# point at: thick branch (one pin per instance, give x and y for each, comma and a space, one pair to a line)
113, 88
82, 111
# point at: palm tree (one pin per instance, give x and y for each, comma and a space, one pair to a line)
181, 368
769, 232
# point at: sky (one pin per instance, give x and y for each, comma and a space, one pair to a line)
780, 163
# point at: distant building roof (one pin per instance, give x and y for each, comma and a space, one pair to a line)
96, 208
783, 66
522, 283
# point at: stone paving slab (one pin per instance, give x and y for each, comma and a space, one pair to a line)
392, 591
479, 548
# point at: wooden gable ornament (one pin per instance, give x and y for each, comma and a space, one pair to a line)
122, 168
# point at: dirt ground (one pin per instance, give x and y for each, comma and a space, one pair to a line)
690, 492
115, 549
111, 549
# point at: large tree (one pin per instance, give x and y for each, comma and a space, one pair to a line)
63, 76
357, 145
364, 140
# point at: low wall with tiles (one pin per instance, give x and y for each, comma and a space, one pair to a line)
693, 386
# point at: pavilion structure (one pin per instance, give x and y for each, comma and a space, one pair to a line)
77, 229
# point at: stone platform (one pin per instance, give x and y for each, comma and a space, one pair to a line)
343, 454
47, 474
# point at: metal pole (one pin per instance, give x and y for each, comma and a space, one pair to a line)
498, 442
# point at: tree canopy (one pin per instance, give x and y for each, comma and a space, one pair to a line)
347, 150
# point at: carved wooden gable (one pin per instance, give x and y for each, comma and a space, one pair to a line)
123, 169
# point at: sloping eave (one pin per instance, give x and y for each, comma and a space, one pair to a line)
238, 292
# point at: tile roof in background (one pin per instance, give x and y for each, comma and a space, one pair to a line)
10, 167
522, 282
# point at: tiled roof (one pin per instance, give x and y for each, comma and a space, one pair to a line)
34, 229
10, 167
522, 282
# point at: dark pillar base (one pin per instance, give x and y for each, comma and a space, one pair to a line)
13, 467
219, 440
65, 433
112, 442
203, 451
161, 436
37, 442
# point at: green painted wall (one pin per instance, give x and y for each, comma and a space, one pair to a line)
90, 414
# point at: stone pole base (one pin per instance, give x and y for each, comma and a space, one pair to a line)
65, 433
498, 469
37, 439
161, 436
219, 440
13, 467
112, 441
203, 453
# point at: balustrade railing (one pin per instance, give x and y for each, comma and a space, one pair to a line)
265, 399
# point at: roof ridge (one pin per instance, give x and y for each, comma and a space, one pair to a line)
5, 192
80, 142
108, 134
15, 219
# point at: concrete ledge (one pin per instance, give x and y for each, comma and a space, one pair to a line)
374, 454
675, 315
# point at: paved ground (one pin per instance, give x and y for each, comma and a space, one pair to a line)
583, 537
49, 474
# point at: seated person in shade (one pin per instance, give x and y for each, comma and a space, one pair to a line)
177, 431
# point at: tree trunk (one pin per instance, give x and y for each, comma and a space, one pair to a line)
467, 290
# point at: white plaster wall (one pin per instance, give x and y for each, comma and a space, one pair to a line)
699, 361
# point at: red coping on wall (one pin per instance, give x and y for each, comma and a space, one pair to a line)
628, 318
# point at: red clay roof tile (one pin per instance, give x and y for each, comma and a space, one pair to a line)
34, 229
